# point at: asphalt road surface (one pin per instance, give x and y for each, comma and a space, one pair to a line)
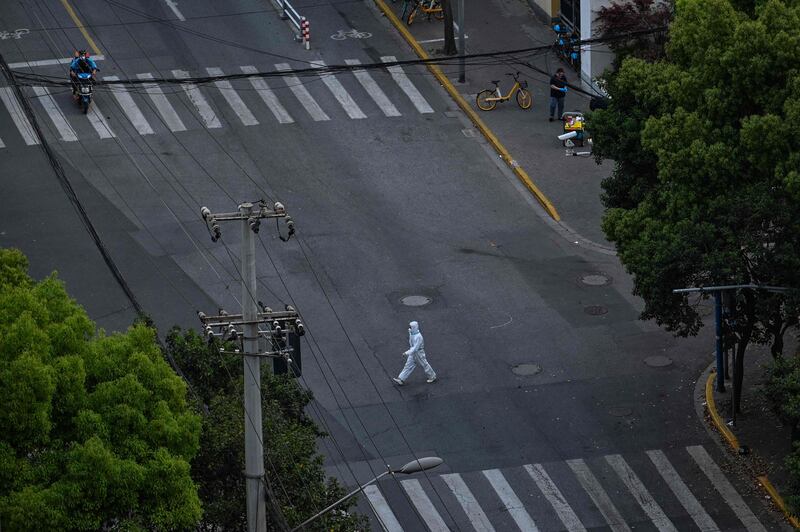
546, 411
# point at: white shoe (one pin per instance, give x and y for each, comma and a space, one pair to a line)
432, 380
398, 381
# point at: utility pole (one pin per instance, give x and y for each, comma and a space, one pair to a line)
462, 47
244, 328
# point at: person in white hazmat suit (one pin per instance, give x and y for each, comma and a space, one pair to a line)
415, 355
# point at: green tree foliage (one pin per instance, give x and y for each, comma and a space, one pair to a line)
705, 186
95, 431
293, 467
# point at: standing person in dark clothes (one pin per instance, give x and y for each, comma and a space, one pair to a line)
558, 90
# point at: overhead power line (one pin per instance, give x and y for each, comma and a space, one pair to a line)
500, 56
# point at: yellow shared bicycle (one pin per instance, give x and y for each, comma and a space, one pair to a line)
487, 99
424, 7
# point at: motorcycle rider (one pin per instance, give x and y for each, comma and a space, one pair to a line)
83, 64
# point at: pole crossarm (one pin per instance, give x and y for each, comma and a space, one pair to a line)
248, 212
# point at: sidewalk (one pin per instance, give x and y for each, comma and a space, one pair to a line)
763, 439
571, 184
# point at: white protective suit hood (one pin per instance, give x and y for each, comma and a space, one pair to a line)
413, 327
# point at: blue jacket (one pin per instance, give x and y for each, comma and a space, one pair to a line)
75, 62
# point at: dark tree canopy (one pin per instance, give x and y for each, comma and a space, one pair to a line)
706, 145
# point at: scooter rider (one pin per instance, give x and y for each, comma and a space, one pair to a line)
83, 64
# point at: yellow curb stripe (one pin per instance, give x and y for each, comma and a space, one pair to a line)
79, 24
467, 108
734, 443
778, 500
715, 417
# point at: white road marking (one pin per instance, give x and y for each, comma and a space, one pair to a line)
640, 493
167, 112
263, 90
402, 80
725, 488
426, 41
555, 498
173, 5
424, 506
598, 495
345, 100
510, 500
55, 114
682, 492
199, 101
18, 116
2, 144
99, 123
373, 89
381, 509
302, 94
130, 108
468, 502
233, 98
49, 62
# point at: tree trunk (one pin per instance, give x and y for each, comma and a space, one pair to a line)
449, 34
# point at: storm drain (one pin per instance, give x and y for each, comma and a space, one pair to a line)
595, 279
415, 301
658, 361
526, 370
595, 310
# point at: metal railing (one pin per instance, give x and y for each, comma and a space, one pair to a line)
288, 12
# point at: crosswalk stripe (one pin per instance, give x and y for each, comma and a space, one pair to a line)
598, 495
402, 80
640, 493
167, 112
99, 123
55, 114
382, 510
424, 506
682, 491
725, 488
263, 90
555, 498
373, 89
345, 100
129, 107
510, 500
233, 98
199, 101
468, 502
18, 116
302, 94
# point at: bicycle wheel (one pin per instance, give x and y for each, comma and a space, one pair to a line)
438, 15
412, 14
484, 104
524, 98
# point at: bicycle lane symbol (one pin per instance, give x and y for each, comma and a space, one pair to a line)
16, 34
351, 33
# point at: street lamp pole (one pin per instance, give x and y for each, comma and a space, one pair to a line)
415, 466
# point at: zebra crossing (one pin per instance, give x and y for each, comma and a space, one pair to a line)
639, 491
152, 107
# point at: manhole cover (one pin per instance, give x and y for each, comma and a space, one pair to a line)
415, 301
620, 411
658, 361
595, 279
595, 310
526, 369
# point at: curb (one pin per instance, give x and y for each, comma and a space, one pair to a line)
470, 112
711, 406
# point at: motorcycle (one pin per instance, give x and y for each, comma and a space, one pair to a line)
84, 86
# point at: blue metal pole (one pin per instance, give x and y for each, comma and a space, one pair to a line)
720, 360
